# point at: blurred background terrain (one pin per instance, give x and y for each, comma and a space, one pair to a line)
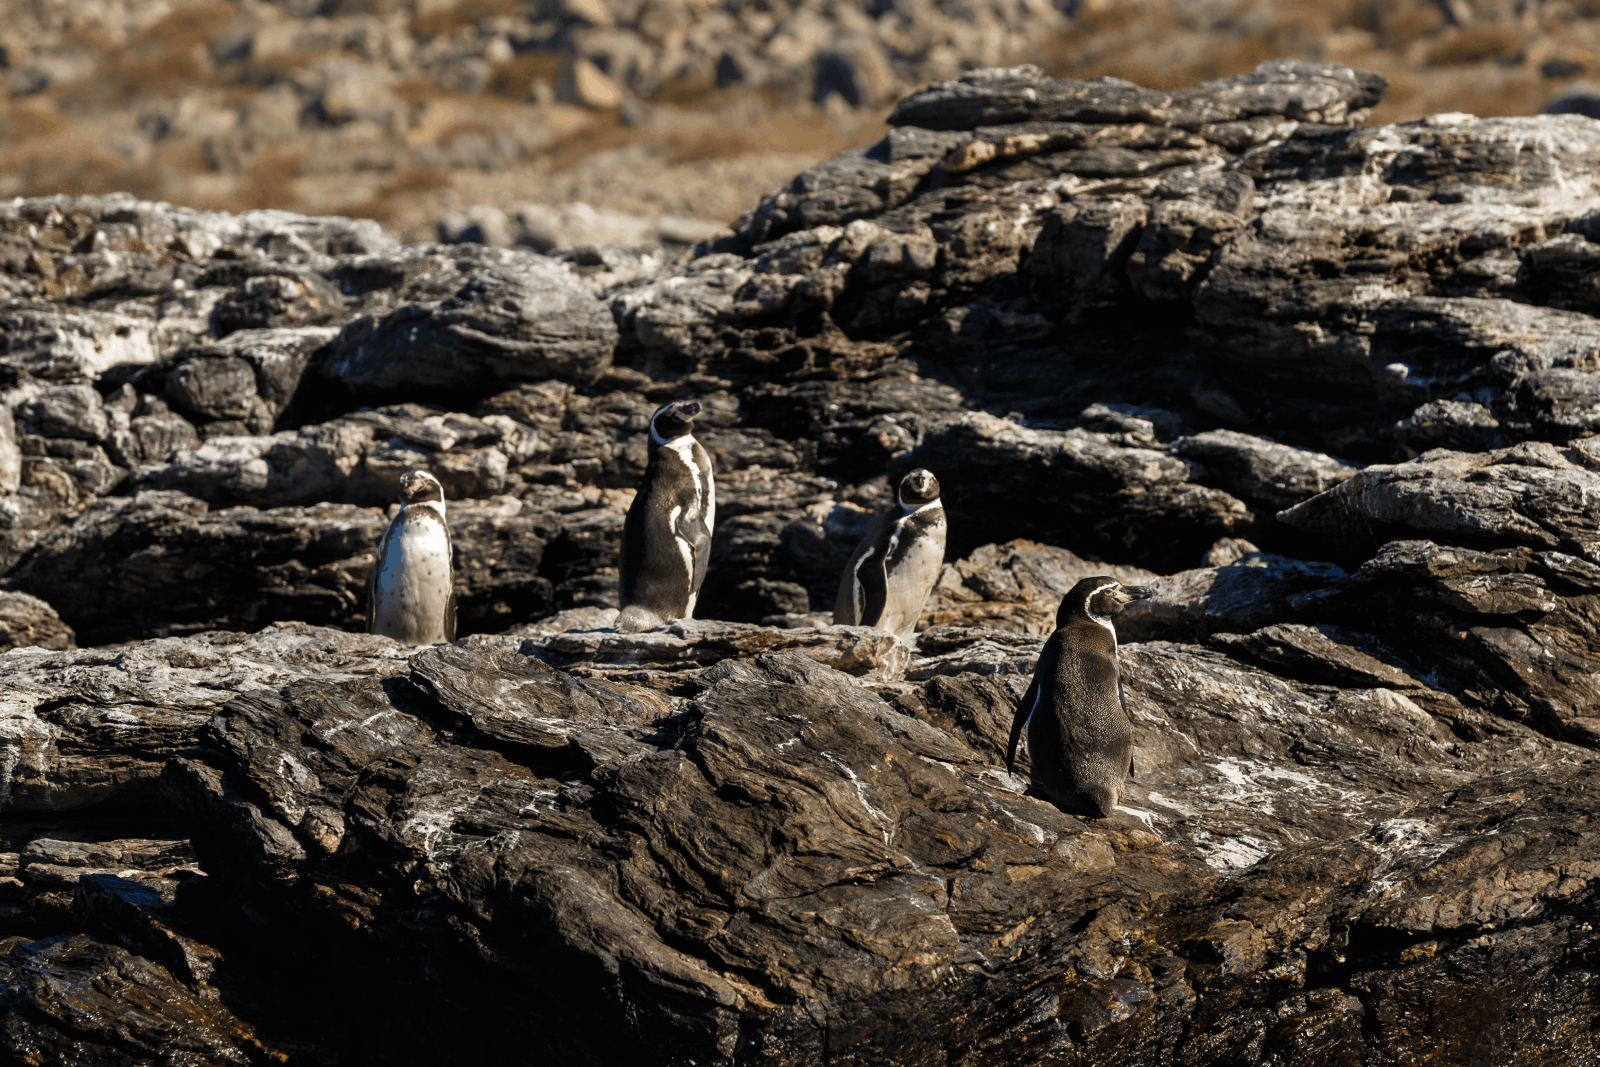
553, 123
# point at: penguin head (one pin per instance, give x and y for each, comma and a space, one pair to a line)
1098, 599
673, 420
918, 488
418, 487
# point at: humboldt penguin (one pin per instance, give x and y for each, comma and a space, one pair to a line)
411, 596
894, 567
666, 539
1079, 735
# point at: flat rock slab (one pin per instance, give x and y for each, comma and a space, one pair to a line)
787, 861
86, 726
1534, 493
691, 644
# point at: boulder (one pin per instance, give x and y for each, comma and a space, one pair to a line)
28, 622
525, 318
133, 565
1529, 494
85, 726
1265, 473
1015, 586
1256, 590
1075, 488
691, 847
691, 644
76, 999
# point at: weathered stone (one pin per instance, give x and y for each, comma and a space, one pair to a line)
687, 643
1531, 494
1015, 586
131, 566
28, 622
738, 819
70, 411
1076, 488
82, 727
1311, 92
524, 318
1263, 472
77, 1000
1255, 591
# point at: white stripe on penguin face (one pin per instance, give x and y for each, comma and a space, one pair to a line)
1088, 608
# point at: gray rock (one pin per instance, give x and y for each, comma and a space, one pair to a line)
10, 453
132, 566
692, 644
1461, 426
28, 622
71, 411
1272, 805
526, 318
1529, 494
68, 998
214, 387
1015, 586
1255, 591
40, 340
1075, 488
82, 727
1265, 473
1311, 92
275, 358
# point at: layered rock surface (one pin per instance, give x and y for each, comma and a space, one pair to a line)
1321, 386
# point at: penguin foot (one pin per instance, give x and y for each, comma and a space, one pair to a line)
636, 620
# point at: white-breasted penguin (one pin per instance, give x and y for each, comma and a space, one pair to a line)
411, 596
1079, 735
894, 567
666, 539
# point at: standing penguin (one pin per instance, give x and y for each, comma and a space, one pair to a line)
894, 567
666, 540
1079, 733
411, 597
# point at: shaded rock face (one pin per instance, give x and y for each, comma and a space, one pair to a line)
583, 843
1326, 388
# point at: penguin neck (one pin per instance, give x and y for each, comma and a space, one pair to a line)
683, 444
1103, 621
436, 505
907, 510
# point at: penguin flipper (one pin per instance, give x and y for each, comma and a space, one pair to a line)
1020, 717
1122, 698
372, 580
699, 537
450, 617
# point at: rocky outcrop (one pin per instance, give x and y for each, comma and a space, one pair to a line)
696, 842
1079, 486
28, 622
94, 725
1015, 586
1532, 494
1322, 386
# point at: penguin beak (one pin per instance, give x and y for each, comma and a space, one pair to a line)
690, 410
1138, 592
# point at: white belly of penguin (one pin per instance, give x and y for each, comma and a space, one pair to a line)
705, 501
413, 588
909, 582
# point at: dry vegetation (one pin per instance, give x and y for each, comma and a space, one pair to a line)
403, 110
